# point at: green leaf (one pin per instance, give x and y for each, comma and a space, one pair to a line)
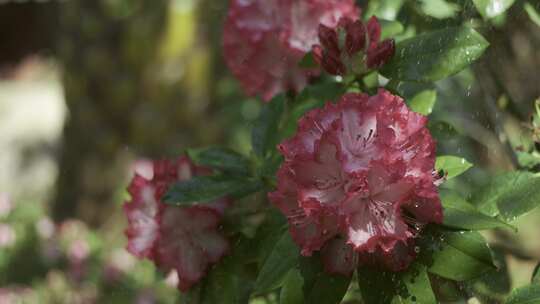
282, 259
532, 12
460, 256
265, 134
308, 61
452, 165
536, 275
319, 286
439, 9
424, 102
202, 189
390, 28
411, 286
220, 158
460, 214
509, 195
292, 290
494, 285
384, 9
435, 55
418, 285
492, 8
529, 294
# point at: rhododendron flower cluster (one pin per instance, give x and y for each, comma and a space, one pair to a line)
183, 239
264, 41
353, 47
358, 182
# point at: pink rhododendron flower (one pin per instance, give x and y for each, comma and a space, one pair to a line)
360, 51
264, 41
357, 182
185, 239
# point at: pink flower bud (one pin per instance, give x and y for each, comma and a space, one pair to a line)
380, 54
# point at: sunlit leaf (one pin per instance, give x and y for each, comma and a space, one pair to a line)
492, 8
390, 28
385, 9
452, 165
424, 102
460, 256
439, 9
460, 214
435, 55
536, 275
509, 195
533, 13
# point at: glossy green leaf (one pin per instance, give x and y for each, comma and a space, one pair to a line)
509, 195
529, 294
220, 158
452, 165
460, 256
319, 286
439, 9
492, 8
460, 214
282, 259
201, 189
435, 55
292, 291
265, 129
424, 102
390, 28
532, 12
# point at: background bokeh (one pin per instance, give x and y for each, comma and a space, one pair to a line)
90, 90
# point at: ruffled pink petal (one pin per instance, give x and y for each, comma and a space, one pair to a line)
141, 212
351, 172
189, 242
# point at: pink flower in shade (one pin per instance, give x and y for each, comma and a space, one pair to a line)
360, 51
264, 41
357, 182
185, 239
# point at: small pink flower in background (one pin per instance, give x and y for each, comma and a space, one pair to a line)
7, 236
264, 41
358, 181
5, 205
360, 51
45, 228
185, 239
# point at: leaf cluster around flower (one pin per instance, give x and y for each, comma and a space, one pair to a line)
358, 182
182, 239
352, 48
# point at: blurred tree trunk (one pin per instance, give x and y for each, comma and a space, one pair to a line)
139, 78
105, 48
